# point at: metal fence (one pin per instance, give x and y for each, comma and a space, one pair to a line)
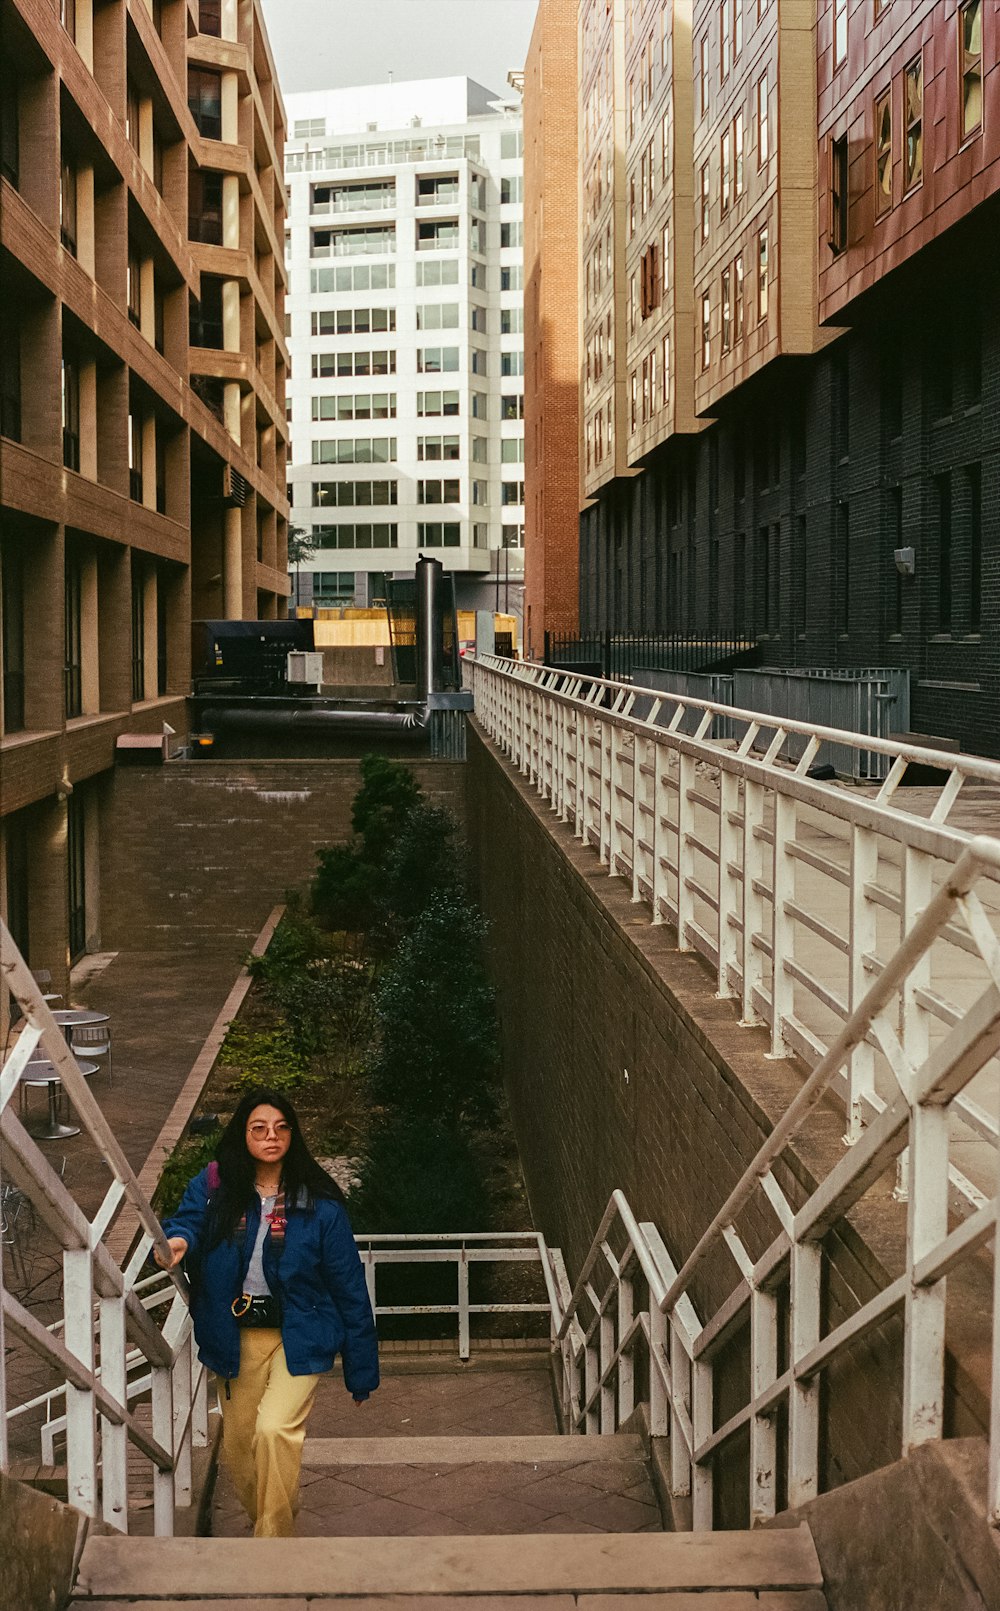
863, 701
609, 654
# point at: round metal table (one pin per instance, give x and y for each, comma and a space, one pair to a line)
67, 1017
44, 1072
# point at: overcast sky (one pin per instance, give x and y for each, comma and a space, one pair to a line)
327, 44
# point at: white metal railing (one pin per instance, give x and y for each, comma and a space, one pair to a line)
598, 1330
795, 891
106, 1327
462, 1251
908, 1032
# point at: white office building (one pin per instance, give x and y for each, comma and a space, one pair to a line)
405, 319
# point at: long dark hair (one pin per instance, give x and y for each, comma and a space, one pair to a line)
237, 1169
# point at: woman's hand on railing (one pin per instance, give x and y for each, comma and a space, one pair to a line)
178, 1247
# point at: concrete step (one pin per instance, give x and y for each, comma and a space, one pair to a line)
469, 1450
713, 1600
155, 1573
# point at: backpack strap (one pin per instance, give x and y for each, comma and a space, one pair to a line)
213, 1177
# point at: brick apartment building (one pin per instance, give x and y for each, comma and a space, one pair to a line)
142, 404
551, 400
830, 392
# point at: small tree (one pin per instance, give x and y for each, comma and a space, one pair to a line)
438, 1051
419, 1175
425, 861
387, 795
301, 545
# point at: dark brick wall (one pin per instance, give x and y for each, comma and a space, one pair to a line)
624, 1070
780, 520
200, 846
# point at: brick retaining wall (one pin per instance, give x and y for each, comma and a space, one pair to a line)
200, 846
624, 1070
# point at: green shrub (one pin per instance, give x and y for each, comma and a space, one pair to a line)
419, 1175
387, 795
438, 1052
264, 1057
425, 861
345, 890
327, 1009
188, 1158
294, 944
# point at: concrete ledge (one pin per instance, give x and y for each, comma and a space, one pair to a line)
41, 1540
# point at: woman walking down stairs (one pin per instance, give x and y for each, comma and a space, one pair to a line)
461, 1475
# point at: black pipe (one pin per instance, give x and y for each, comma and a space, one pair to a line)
412, 723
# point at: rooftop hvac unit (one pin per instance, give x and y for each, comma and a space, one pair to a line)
234, 487
304, 666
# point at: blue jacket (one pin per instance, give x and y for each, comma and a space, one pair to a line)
318, 1279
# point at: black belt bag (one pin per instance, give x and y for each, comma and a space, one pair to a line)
257, 1311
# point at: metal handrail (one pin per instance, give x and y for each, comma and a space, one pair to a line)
717, 840
103, 1306
553, 727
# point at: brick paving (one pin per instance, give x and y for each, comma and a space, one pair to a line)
441, 1498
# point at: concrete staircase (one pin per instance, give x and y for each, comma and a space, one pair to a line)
495, 1515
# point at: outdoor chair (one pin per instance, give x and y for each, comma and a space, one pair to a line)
17, 1222
43, 979
92, 1040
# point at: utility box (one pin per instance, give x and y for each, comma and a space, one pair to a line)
305, 666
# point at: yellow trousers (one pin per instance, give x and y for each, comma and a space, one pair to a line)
263, 1430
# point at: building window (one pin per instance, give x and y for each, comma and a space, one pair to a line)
738, 298
67, 16
511, 235
438, 534
706, 201
138, 632
512, 407
651, 281
703, 76
439, 447
725, 36
738, 156
434, 316
512, 363
727, 309
10, 133
210, 18
12, 620
942, 485
973, 475
511, 277
205, 207
706, 331
726, 154
762, 246
135, 458
511, 492
76, 869
67, 205
913, 90
437, 360
10, 379
355, 450
70, 412
883, 153
349, 494
439, 491
512, 450
838, 194
431, 404
839, 32
970, 37
72, 677
205, 101
763, 126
